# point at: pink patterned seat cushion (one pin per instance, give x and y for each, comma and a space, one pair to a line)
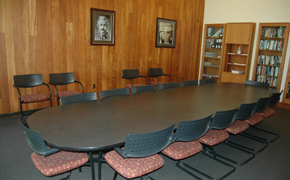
66, 93
34, 98
267, 113
214, 137
59, 162
255, 119
134, 85
181, 150
237, 127
133, 167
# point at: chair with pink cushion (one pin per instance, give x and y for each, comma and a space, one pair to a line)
257, 118
30, 81
246, 112
59, 79
186, 145
51, 161
131, 74
218, 135
139, 157
274, 100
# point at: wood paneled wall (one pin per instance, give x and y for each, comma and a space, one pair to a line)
53, 36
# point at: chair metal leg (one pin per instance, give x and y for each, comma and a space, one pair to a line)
261, 138
248, 148
92, 165
213, 152
148, 177
115, 175
66, 178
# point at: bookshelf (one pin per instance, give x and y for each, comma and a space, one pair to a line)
286, 94
270, 53
238, 52
212, 51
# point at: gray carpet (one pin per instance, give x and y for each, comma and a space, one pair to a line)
271, 164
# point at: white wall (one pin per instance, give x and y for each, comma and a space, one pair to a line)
257, 11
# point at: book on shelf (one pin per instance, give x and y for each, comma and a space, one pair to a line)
206, 76
237, 72
210, 54
239, 64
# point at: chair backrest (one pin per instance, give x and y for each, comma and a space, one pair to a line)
22, 121
223, 119
188, 83
35, 140
78, 98
206, 81
262, 104
139, 89
61, 78
168, 85
155, 72
275, 98
114, 92
192, 130
255, 83
130, 73
246, 110
143, 145
29, 80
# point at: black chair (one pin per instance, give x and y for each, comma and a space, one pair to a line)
206, 81
30, 81
115, 92
140, 89
274, 100
186, 145
168, 86
140, 155
256, 83
51, 161
59, 79
217, 135
257, 118
155, 73
188, 83
132, 74
78, 98
246, 111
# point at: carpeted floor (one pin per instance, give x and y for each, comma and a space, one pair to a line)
271, 164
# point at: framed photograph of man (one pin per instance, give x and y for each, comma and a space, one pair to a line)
165, 33
102, 27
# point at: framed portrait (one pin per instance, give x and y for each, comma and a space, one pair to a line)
165, 33
102, 27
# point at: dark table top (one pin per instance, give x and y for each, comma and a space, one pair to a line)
105, 123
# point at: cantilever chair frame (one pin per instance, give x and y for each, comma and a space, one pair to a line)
245, 112
132, 74
78, 98
57, 79
30, 81
220, 121
145, 146
39, 147
157, 72
261, 106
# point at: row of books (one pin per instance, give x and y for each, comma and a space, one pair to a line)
268, 70
272, 81
273, 32
211, 32
269, 60
271, 44
213, 43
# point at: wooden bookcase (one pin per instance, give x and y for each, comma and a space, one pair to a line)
238, 52
270, 53
286, 94
212, 51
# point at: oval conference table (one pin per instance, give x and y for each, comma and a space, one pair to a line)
104, 124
